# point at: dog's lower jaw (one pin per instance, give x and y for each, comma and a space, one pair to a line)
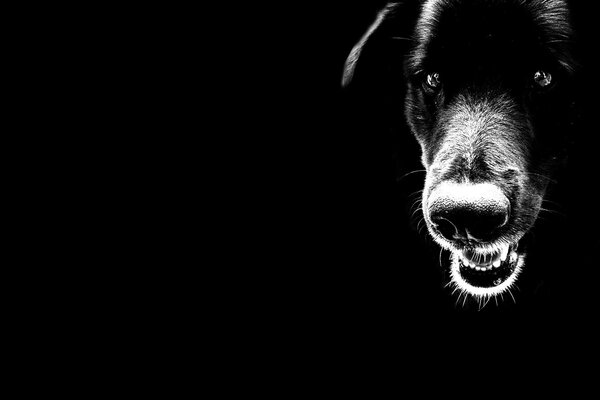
499, 285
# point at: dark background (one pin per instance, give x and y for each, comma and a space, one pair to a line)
294, 246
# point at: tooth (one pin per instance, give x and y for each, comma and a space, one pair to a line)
497, 263
479, 269
504, 253
513, 257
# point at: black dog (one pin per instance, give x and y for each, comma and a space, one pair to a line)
486, 94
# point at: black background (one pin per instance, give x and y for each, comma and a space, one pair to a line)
243, 197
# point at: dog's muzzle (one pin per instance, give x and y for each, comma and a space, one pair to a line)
471, 220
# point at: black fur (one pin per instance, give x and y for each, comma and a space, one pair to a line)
487, 54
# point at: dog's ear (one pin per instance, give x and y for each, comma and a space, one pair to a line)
383, 45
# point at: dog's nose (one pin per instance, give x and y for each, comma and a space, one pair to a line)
468, 212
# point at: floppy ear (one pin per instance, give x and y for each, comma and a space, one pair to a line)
385, 42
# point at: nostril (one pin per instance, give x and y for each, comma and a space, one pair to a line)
445, 227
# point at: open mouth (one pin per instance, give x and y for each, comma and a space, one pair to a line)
486, 273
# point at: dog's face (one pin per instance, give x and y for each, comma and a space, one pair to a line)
484, 101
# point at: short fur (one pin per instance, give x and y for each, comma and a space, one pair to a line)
489, 122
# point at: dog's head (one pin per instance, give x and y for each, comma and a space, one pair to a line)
485, 99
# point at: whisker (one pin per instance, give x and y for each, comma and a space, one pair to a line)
416, 203
487, 301
554, 209
419, 223
416, 211
541, 176
554, 203
418, 192
511, 295
459, 295
553, 212
410, 173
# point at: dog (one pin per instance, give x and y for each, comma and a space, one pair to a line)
485, 87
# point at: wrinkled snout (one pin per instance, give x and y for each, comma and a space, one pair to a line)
466, 213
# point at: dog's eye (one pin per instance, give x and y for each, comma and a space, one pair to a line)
433, 80
542, 79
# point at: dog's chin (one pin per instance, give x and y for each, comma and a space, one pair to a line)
485, 271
